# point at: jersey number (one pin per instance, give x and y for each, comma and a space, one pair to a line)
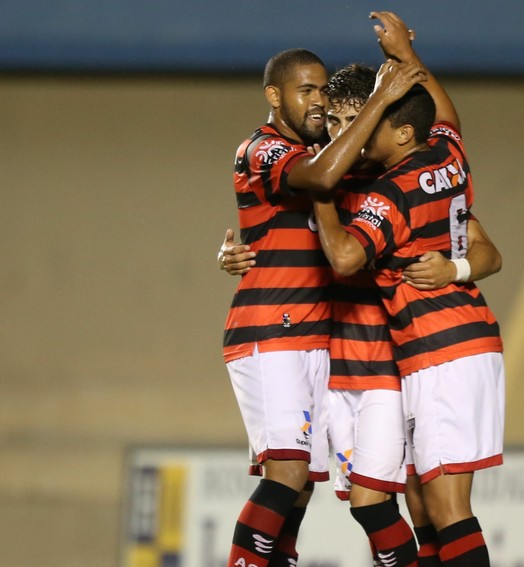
458, 226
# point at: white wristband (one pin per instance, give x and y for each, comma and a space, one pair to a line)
463, 270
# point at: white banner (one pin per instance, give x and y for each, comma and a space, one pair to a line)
181, 506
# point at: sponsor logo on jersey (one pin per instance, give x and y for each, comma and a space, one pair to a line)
373, 212
447, 177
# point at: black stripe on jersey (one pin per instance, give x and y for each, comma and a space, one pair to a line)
347, 367
446, 338
365, 333
431, 229
246, 200
243, 335
291, 259
427, 305
394, 263
283, 219
359, 295
280, 296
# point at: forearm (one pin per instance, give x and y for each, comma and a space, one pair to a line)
342, 250
484, 260
483, 257
324, 170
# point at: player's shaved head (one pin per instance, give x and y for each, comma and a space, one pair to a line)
282, 64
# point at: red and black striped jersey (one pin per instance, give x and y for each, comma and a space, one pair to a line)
423, 204
361, 350
283, 302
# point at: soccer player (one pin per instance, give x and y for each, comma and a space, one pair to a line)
447, 342
277, 330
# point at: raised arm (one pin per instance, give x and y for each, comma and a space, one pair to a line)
395, 39
322, 171
434, 271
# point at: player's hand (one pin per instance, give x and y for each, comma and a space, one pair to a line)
393, 36
314, 149
432, 271
394, 79
235, 259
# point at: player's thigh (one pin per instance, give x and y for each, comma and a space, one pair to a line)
380, 438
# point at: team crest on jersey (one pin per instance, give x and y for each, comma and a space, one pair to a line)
286, 320
270, 151
373, 211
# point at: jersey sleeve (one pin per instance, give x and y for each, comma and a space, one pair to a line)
270, 161
382, 223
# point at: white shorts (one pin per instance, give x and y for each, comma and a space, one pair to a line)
366, 431
454, 416
282, 396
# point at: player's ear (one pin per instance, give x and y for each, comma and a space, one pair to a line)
273, 96
405, 134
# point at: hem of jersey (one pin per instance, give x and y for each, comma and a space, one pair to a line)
436, 358
265, 346
377, 484
456, 468
367, 383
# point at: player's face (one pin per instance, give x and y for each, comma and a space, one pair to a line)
303, 102
381, 146
339, 119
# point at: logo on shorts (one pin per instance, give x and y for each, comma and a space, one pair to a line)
345, 464
306, 430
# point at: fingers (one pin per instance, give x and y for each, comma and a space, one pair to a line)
230, 236
237, 260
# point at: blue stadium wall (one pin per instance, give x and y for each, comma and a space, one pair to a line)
458, 37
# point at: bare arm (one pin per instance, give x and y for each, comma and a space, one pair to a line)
322, 171
434, 271
235, 259
395, 40
344, 252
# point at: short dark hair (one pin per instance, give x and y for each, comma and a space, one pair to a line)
351, 86
278, 67
416, 108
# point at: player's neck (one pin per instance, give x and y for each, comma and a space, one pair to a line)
401, 156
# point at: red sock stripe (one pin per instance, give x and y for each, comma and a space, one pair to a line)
261, 519
461, 546
392, 536
428, 550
